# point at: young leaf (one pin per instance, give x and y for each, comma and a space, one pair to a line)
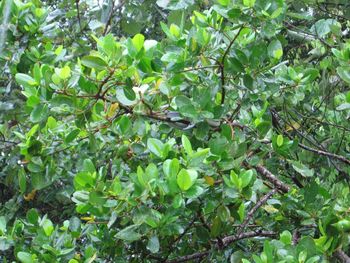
186, 178
279, 140
186, 144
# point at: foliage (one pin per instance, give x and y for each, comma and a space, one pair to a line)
174, 131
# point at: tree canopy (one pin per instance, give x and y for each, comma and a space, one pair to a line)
174, 131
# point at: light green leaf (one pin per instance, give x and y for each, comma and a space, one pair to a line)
64, 73
344, 73
157, 147
47, 226
138, 41
246, 178
153, 244
25, 80
186, 144
302, 169
344, 106
25, 257
249, 3
171, 167
186, 178
279, 140
2, 225
275, 49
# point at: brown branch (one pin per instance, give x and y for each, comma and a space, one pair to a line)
324, 153
272, 178
340, 254
186, 258
230, 239
226, 241
98, 94
110, 16
222, 65
251, 213
78, 15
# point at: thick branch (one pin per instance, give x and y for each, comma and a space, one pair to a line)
272, 179
340, 254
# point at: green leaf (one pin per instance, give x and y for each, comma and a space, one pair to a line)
83, 180
64, 73
241, 211
32, 216
128, 234
171, 167
249, 3
89, 166
22, 181
185, 106
129, 93
344, 73
216, 227
94, 62
275, 49
279, 140
186, 144
25, 257
47, 226
116, 186
25, 80
186, 178
286, 237
246, 178
97, 198
224, 2
153, 244
71, 136
2, 226
342, 225
138, 41
39, 113
344, 106
152, 171
302, 169
157, 147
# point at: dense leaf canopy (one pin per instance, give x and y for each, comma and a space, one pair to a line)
174, 131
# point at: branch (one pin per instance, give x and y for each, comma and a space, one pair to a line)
226, 241
324, 153
222, 65
197, 255
230, 239
272, 178
251, 213
305, 147
110, 16
340, 254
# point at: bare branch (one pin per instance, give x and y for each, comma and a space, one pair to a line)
226, 241
251, 213
272, 178
222, 65
340, 254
